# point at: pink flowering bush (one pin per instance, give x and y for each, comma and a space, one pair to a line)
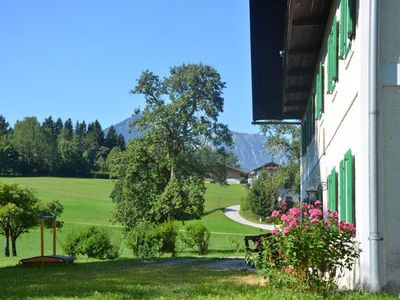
316, 248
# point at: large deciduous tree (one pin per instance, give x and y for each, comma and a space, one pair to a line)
159, 176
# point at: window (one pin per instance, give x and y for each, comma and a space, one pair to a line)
346, 177
319, 92
332, 190
347, 26
332, 57
308, 126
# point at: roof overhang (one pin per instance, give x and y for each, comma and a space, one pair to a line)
282, 81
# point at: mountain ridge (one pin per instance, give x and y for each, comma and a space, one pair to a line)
248, 147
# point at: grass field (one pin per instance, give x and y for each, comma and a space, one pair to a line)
151, 279
87, 202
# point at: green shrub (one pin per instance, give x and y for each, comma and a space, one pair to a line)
263, 195
72, 244
197, 237
92, 242
314, 249
169, 234
149, 240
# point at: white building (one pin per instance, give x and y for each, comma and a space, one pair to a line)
335, 66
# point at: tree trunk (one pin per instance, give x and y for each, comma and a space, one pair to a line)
14, 246
6, 245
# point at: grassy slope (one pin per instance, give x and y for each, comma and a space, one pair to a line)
86, 201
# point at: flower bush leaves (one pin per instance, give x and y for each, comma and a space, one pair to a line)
312, 247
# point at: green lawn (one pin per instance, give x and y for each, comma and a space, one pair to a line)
87, 202
136, 279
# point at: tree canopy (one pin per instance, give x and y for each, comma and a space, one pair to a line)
285, 138
55, 148
161, 174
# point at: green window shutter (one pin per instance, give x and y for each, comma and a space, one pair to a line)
319, 86
332, 57
332, 190
343, 28
351, 12
342, 192
347, 26
329, 68
334, 53
312, 112
348, 158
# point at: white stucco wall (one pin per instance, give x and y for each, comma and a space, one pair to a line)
390, 141
344, 126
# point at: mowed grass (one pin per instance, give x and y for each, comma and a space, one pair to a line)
87, 202
151, 279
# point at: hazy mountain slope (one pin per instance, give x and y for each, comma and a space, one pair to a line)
248, 148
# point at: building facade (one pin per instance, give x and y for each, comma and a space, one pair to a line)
339, 75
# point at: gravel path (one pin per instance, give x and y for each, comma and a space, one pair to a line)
232, 212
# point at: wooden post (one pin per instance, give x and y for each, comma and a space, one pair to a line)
54, 236
41, 237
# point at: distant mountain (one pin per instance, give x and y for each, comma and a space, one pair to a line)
248, 148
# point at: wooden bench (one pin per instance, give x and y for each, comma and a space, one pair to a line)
256, 239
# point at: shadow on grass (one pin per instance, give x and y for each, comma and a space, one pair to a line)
123, 278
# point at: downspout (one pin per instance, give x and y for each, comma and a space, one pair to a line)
373, 111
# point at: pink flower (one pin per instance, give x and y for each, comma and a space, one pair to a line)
286, 230
294, 212
275, 231
283, 204
284, 218
314, 220
293, 222
318, 202
347, 227
275, 214
315, 213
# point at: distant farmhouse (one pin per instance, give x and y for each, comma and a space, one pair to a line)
333, 66
271, 169
236, 175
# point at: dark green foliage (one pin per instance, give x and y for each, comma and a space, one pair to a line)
197, 237
54, 208
111, 139
263, 195
29, 140
142, 176
19, 212
160, 175
285, 139
4, 126
149, 240
67, 132
53, 148
92, 242
9, 160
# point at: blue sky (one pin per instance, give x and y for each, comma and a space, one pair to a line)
79, 59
